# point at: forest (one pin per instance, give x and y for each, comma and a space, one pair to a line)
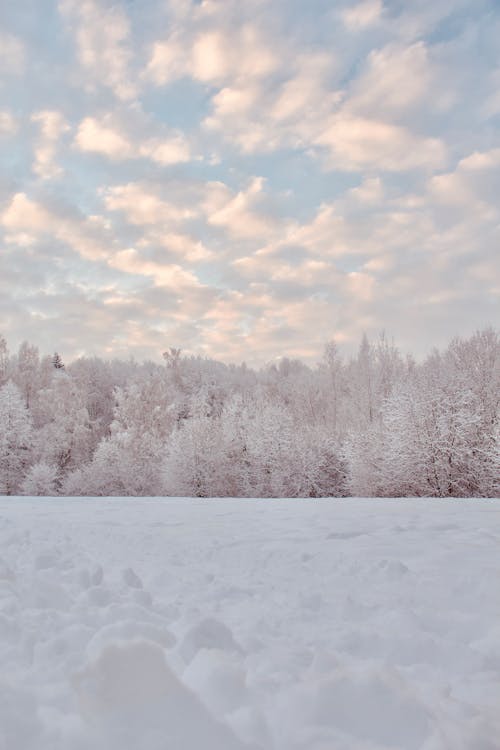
377, 424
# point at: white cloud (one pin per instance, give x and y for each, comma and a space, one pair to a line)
213, 55
474, 184
142, 206
160, 220
164, 151
362, 15
52, 126
356, 143
164, 275
306, 93
370, 191
240, 215
353, 129
481, 160
361, 285
167, 61
102, 33
491, 106
8, 123
107, 137
13, 56
23, 214
235, 101
147, 221
396, 79
261, 118
27, 219
210, 57
99, 137
187, 248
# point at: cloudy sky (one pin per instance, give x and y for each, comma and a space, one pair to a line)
247, 179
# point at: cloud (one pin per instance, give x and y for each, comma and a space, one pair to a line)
474, 184
395, 80
240, 215
218, 55
105, 137
26, 219
481, 160
370, 191
142, 205
187, 248
243, 214
52, 126
362, 15
248, 179
356, 143
167, 62
160, 220
102, 35
99, 137
353, 129
8, 123
164, 275
261, 118
173, 150
213, 55
13, 57
361, 285
491, 105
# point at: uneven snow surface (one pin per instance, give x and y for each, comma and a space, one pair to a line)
231, 624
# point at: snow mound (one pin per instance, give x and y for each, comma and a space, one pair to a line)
207, 634
131, 696
219, 678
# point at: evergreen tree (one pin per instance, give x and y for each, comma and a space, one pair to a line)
57, 361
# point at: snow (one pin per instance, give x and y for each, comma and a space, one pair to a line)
229, 624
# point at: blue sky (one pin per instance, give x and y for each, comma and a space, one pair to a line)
248, 180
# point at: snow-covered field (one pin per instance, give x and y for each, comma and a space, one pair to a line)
225, 624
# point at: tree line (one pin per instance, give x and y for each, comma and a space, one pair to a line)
375, 424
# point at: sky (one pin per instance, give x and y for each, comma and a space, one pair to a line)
248, 180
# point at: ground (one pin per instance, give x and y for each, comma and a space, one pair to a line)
179, 624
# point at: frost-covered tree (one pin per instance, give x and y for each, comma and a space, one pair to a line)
193, 467
128, 461
252, 449
64, 438
41, 479
96, 381
4, 361
15, 439
438, 433
26, 373
372, 425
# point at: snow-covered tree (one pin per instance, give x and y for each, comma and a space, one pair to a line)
64, 437
372, 425
15, 439
41, 479
26, 373
439, 430
193, 466
128, 461
4, 361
